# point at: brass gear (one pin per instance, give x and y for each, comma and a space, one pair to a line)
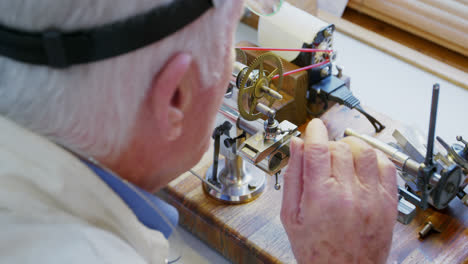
255, 91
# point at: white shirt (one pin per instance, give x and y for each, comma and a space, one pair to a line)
54, 209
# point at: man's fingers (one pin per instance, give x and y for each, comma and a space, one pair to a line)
365, 161
316, 153
316, 132
316, 167
293, 181
342, 162
388, 174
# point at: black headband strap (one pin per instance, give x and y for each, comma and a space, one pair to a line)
59, 50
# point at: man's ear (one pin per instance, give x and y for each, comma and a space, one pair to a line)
168, 97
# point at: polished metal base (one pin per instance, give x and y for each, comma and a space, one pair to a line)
236, 190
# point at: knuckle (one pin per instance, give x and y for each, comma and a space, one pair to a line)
327, 184
314, 149
340, 147
316, 160
384, 162
390, 169
316, 153
389, 178
367, 158
346, 199
364, 189
368, 153
390, 194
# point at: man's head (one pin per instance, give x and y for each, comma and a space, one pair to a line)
146, 114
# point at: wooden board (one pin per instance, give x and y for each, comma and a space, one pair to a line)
414, 42
443, 22
252, 233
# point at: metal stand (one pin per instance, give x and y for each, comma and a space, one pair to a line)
240, 182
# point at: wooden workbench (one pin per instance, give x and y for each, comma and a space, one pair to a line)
253, 233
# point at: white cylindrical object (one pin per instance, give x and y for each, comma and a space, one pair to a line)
291, 27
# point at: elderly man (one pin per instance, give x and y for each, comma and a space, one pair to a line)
99, 97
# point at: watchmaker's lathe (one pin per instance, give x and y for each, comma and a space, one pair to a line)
248, 143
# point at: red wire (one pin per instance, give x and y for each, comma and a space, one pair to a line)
302, 69
279, 49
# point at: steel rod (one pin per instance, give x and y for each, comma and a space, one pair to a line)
432, 125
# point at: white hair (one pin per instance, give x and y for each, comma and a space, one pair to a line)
91, 107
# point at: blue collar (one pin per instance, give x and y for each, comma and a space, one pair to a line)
140, 202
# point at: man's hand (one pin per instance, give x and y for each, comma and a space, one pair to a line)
340, 200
